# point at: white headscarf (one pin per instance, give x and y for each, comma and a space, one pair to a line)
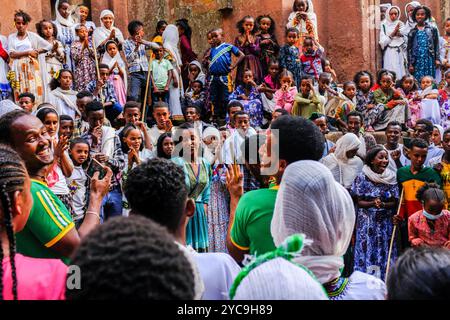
441, 130
311, 202
389, 25
344, 169
279, 279
410, 24
201, 76
111, 61
102, 33
171, 38
69, 22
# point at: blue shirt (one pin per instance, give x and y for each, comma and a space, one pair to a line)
221, 59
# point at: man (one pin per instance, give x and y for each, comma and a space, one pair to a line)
106, 148
233, 107
412, 178
424, 130
161, 114
160, 182
396, 157
49, 231
251, 213
27, 101
192, 115
355, 121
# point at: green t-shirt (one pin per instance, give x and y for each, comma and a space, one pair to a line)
48, 222
251, 227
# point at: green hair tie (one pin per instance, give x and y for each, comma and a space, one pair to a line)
289, 249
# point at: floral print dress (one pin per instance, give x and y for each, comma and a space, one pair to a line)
253, 105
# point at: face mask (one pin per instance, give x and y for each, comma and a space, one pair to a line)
431, 216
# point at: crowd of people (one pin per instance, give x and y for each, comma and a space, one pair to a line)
164, 174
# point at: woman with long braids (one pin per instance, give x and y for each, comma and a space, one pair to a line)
22, 278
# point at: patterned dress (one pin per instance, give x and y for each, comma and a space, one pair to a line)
424, 66
199, 187
218, 211
290, 59
373, 227
253, 106
251, 61
445, 109
84, 63
362, 101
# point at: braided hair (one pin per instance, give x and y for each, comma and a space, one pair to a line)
12, 178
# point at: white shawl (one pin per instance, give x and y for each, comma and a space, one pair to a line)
110, 61
410, 24
387, 177
69, 22
108, 135
311, 16
344, 169
388, 26
201, 76
37, 42
67, 97
311, 202
101, 33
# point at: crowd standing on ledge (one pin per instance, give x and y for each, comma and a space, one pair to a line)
132, 159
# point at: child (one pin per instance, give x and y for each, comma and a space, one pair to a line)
289, 56
62, 165
306, 101
430, 226
328, 68
160, 27
27, 101
78, 182
195, 73
284, 97
117, 69
445, 95
66, 126
429, 104
83, 13
62, 97
392, 106
268, 41
196, 97
269, 86
53, 59
220, 67
304, 20
162, 74
5, 87
232, 146
83, 58
103, 90
134, 48
347, 104
248, 95
311, 59
408, 88
248, 43
364, 98
135, 153
65, 29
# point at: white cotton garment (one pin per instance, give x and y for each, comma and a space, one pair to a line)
280, 279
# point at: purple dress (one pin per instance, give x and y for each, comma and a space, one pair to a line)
373, 227
251, 61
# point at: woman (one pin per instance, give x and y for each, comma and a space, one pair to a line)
21, 277
24, 49
65, 24
423, 45
311, 202
170, 43
377, 193
164, 146
393, 42
198, 179
187, 54
343, 163
106, 31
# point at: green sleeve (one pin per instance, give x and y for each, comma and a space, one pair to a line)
239, 236
49, 219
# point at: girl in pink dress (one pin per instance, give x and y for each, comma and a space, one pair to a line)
284, 97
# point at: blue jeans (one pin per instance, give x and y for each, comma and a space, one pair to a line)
137, 83
111, 205
219, 95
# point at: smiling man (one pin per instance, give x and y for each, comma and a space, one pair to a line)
49, 231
